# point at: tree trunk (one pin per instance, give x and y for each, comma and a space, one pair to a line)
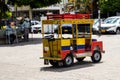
30, 13
16, 11
1, 10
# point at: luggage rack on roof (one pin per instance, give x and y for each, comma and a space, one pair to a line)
68, 16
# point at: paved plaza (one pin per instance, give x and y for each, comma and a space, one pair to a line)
21, 62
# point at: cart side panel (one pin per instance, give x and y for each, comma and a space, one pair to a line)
56, 45
65, 47
79, 45
46, 50
97, 45
51, 48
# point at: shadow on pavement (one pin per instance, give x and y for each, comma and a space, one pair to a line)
22, 43
77, 65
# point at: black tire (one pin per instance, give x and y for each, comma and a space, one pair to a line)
39, 31
96, 57
80, 59
118, 31
35, 32
54, 63
68, 61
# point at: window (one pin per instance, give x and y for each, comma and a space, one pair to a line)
32, 23
84, 28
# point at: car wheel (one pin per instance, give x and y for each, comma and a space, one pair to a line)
35, 32
118, 31
96, 57
39, 31
68, 61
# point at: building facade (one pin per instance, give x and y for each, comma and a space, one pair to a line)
24, 11
66, 6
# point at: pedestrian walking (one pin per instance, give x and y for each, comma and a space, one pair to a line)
25, 26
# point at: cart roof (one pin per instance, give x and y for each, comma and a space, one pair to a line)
70, 21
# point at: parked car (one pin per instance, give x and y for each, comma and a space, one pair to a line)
50, 28
111, 25
66, 28
95, 27
36, 26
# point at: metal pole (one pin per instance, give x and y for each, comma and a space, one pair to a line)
64, 6
99, 17
16, 11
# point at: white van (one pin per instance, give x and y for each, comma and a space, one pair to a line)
111, 25
36, 26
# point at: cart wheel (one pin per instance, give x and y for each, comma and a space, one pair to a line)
96, 57
80, 59
54, 63
68, 61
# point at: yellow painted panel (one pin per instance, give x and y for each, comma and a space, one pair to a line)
65, 42
80, 41
46, 46
56, 48
52, 48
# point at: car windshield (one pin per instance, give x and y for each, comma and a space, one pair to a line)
95, 21
110, 20
35, 22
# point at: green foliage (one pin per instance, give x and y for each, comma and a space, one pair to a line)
7, 14
33, 3
110, 6
4, 11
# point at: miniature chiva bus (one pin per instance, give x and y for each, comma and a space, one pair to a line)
62, 49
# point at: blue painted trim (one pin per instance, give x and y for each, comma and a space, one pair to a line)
65, 47
76, 47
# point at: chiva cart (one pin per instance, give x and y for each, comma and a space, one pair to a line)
62, 49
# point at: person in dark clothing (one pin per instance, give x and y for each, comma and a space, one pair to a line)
10, 34
12, 38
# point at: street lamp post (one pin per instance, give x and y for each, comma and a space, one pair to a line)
99, 17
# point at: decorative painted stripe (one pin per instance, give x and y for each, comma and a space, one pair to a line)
83, 54
76, 47
65, 47
79, 51
65, 51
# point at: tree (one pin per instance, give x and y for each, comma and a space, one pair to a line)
4, 9
33, 3
83, 6
110, 6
